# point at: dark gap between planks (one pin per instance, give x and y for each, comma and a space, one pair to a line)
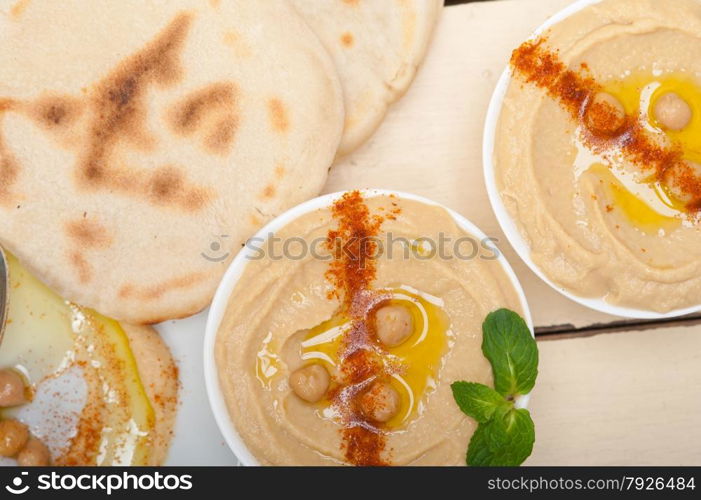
457, 2
569, 331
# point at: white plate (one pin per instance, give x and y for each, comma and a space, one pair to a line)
197, 440
508, 225
221, 299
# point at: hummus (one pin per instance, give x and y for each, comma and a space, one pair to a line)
598, 220
284, 313
91, 391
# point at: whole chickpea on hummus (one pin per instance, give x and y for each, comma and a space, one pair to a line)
346, 355
598, 152
15, 439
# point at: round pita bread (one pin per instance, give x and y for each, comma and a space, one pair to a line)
159, 376
377, 47
141, 143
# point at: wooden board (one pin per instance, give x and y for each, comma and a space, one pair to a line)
619, 399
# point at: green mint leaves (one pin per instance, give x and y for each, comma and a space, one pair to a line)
477, 400
509, 346
503, 441
505, 434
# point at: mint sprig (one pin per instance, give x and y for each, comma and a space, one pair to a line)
506, 441
505, 434
477, 400
509, 346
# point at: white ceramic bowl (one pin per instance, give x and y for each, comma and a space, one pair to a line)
232, 275
508, 225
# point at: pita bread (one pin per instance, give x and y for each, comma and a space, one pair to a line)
141, 143
159, 376
377, 47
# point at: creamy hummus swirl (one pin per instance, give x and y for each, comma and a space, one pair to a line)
580, 235
275, 299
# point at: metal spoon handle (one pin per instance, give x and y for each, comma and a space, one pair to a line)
4, 291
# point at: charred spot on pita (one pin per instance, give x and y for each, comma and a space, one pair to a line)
81, 266
212, 109
55, 111
87, 233
166, 184
279, 117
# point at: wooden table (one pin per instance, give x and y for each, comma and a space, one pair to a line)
609, 391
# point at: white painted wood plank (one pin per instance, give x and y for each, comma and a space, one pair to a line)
630, 398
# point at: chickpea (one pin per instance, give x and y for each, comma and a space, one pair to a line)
291, 351
672, 112
12, 390
605, 114
683, 181
13, 436
394, 325
380, 403
310, 383
34, 454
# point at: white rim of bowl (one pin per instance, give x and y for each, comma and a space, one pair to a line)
235, 270
508, 225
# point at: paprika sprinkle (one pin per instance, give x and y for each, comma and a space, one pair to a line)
352, 272
608, 129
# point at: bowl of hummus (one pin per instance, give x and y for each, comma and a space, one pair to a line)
592, 155
336, 333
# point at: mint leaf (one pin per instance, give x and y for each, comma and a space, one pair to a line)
476, 400
504, 435
506, 440
508, 345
